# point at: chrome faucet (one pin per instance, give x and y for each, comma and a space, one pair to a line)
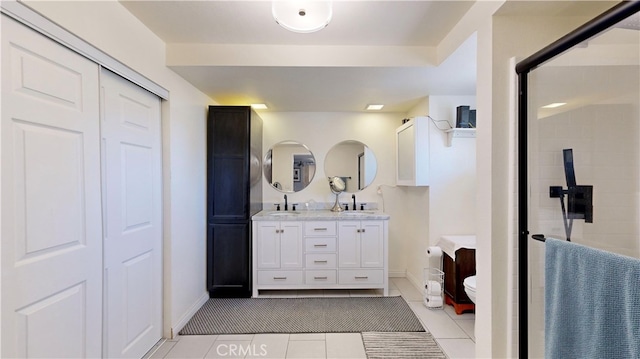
354, 201
286, 206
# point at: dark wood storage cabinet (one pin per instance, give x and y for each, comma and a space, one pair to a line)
234, 194
455, 272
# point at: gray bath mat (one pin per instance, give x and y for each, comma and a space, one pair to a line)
302, 315
401, 346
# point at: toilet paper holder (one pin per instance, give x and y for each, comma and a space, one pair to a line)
433, 288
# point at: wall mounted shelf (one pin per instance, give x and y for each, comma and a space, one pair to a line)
459, 133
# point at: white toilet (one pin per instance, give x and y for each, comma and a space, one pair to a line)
470, 287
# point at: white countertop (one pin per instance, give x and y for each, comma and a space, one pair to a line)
319, 215
450, 244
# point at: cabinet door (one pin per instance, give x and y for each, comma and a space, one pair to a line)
291, 245
348, 244
372, 244
229, 269
412, 153
268, 245
406, 153
227, 156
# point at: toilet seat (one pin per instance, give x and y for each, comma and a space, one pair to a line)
470, 287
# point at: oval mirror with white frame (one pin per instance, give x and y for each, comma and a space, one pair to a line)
289, 166
352, 161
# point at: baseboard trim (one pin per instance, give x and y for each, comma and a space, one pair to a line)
417, 282
397, 274
185, 318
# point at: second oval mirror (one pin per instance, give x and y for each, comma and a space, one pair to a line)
354, 162
289, 166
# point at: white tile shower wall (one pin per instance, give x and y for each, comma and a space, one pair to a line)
604, 139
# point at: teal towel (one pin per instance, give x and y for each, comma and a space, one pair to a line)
592, 303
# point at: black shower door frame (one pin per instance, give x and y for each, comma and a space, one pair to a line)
599, 24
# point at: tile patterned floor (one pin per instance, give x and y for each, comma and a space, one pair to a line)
454, 333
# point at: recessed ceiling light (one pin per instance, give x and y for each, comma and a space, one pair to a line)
259, 106
375, 107
554, 105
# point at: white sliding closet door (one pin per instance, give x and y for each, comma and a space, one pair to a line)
131, 150
51, 211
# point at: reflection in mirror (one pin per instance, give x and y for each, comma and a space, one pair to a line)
289, 166
354, 162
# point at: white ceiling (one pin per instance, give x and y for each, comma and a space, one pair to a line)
381, 28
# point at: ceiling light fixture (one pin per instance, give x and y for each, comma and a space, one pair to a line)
554, 105
302, 16
375, 107
259, 106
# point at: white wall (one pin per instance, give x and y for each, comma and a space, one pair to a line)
452, 196
447, 206
108, 26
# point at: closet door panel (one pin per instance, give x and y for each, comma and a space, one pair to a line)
51, 211
132, 217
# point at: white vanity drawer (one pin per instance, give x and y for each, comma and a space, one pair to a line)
320, 244
320, 228
279, 277
320, 261
320, 277
361, 276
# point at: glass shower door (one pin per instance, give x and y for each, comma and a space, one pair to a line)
583, 154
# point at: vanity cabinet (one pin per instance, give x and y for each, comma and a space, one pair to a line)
361, 244
361, 259
279, 245
320, 254
455, 272
278, 254
412, 153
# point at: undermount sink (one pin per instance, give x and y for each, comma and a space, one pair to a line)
285, 213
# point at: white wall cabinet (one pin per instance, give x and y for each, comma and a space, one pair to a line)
320, 255
412, 153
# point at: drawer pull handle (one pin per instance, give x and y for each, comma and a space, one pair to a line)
319, 277
319, 229
319, 261
319, 245
362, 277
279, 278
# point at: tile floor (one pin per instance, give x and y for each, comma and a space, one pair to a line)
454, 333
